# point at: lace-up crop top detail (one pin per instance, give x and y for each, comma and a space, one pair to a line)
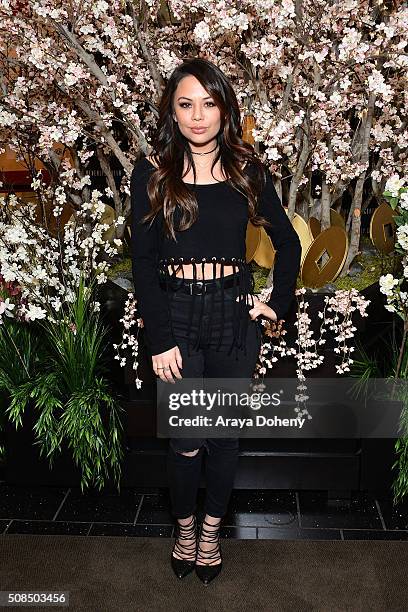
216, 238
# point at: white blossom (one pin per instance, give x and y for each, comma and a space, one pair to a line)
387, 283
394, 184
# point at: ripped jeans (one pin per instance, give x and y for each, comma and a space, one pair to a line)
221, 460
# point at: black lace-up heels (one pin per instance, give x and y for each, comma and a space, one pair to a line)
208, 572
182, 567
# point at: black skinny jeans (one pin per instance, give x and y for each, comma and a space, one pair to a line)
184, 471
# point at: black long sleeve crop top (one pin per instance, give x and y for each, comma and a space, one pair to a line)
217, 236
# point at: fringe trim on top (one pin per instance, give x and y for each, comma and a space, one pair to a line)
243, 284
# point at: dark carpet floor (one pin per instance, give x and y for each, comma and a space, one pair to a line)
105, 574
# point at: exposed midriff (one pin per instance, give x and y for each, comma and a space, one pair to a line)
208, 271
214, 247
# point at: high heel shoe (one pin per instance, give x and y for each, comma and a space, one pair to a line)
182, 567
207, 572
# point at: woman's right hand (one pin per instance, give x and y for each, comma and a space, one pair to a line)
171, 360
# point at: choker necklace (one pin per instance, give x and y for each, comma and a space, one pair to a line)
207, 153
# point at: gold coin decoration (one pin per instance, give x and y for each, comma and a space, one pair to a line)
336, 219
382, 228
252, 240
325, 257
265, 253
260, 247
303, 231
314, 226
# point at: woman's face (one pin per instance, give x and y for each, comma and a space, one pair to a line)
195, 108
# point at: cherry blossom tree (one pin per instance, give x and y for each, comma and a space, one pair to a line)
324, 81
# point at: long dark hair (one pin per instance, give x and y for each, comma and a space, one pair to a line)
165, 187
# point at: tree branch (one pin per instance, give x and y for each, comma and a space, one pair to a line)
155, 74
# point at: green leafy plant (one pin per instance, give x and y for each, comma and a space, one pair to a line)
385, 363
395, 366
20, 352
64, 377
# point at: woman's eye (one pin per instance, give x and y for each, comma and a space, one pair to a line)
184, 104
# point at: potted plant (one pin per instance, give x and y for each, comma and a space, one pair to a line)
396, 291
53, 339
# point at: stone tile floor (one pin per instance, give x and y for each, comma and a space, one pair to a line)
263, 514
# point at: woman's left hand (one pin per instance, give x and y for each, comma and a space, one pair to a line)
259, 308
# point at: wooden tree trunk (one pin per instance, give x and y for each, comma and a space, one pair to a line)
325, 206
355, 211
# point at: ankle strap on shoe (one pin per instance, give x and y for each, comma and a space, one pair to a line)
186, 532
215, 527
211, 537
188, 529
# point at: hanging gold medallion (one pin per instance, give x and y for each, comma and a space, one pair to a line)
382, 228
260, 247
314, 226
336, 219
325, 257
303, 231
265, 253
252, 240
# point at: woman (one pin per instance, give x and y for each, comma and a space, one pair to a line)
191, 202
